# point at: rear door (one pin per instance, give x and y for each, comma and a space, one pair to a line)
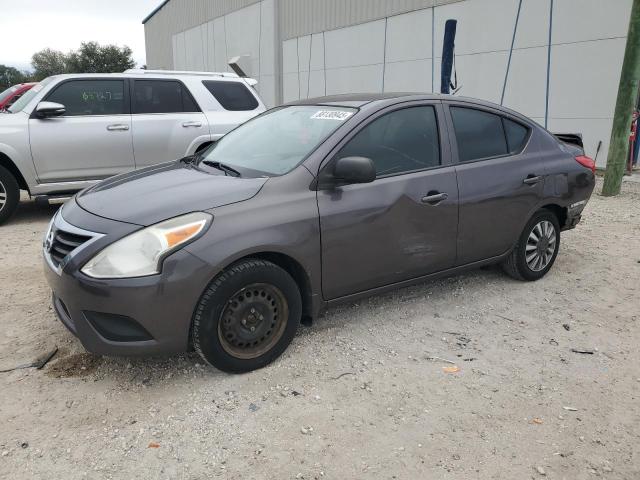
92, 140
167, 123
403, 224
499, 180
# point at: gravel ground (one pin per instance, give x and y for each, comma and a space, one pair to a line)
364, 392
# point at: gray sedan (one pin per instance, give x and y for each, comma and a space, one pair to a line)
310, 204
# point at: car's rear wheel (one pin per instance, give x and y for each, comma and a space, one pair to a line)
247, 316
537, 248
9, 194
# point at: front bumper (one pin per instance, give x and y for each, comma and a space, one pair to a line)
133, 316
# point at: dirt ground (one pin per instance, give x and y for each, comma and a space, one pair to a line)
364, 392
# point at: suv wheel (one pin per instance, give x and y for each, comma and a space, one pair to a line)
537, 248
247, 316
9, 194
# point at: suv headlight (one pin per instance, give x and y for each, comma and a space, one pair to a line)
141, 253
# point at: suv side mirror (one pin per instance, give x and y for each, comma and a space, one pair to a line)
354, 170
49, 109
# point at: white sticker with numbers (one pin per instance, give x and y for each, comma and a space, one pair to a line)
332, 115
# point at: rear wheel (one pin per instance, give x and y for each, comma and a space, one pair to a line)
9, 194
537, 248
247, 316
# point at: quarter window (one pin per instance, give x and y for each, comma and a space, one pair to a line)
90, 97
234, 96
516, 135
401, 141
162, 96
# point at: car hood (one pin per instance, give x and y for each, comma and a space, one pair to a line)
163, 191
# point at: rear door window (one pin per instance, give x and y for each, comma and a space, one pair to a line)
479, 134
162, 96
233, 96
90, 97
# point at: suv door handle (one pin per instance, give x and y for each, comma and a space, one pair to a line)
192, 124
434, 198
117, 126
531, 180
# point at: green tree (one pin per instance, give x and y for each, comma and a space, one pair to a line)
94, 58
10, 76
48, 62
91, 57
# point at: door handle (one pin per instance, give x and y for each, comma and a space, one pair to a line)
434, 198
192, 124
117, 126
531, 180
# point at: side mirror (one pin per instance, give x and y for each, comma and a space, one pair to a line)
354, 170
49, 109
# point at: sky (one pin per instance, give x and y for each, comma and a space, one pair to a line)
27, 26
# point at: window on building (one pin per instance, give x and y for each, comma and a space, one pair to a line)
401, 141
234, 96
162, 96
90, 97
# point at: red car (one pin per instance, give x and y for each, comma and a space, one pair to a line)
11, 94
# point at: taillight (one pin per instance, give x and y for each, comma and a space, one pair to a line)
586, 162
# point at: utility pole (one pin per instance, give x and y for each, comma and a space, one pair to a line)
627, 93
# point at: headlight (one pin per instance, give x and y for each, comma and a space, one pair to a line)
141, 253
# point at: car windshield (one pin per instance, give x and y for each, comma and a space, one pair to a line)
8, 92
24, 100
276, 142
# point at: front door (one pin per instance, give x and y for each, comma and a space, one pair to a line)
167, 121
403, 224
92, 140
500, 183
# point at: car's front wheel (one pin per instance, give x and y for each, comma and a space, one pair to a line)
9, 194
537, 248
247, 316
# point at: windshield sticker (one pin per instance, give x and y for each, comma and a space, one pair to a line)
332, 115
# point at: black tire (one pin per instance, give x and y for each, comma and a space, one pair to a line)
9, 194
220, 331
516, 264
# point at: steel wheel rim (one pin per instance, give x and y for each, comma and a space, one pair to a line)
541, 246
253, 321
3, 196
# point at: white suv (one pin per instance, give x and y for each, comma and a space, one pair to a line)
70, 131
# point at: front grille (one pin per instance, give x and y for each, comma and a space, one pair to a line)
63, 243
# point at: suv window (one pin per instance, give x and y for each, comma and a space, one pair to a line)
401, 141
479, 134
234, 96
162, 96
90, 97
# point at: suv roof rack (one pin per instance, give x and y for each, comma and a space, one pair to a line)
181, 72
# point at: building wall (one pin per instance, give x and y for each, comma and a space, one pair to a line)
305, 48
248, 32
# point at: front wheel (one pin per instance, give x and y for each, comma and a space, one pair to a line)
9, 194
247, 316
537, 248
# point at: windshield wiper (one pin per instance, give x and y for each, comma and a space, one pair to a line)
225, 168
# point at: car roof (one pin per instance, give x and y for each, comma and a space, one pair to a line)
224, 76
357, 100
